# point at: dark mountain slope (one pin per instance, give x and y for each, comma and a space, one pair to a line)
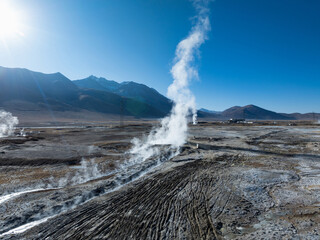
208, 115
89, 83
107, 84
139, 92
26, 85
145, 94
106, 102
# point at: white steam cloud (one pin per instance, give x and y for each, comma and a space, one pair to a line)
7, 123
173, 129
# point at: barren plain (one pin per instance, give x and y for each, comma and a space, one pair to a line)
228, 182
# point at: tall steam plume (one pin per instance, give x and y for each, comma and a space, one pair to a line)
173, 129
7, 123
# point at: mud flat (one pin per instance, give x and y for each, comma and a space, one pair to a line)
228, 182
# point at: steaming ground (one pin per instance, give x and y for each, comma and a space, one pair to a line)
162, 144
7, 123
173, 128
244, 182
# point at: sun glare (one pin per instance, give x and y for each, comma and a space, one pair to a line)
10, 22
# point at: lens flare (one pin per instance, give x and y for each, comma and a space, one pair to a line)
10, 21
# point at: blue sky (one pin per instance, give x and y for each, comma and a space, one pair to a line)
259, 52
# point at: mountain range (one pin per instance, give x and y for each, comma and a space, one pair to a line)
25, 90
22, 90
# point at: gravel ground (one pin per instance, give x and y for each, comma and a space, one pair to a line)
228, 182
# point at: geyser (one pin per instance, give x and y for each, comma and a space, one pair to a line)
7, 123
173, 129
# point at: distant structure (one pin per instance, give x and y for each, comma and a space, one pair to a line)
236, 120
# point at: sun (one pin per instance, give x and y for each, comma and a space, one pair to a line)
10, 21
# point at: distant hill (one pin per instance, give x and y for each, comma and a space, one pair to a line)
139, 92
253, 112
209, 111
34, 91
305, 116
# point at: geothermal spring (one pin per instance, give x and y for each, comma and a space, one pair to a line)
170, 179
147, 152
